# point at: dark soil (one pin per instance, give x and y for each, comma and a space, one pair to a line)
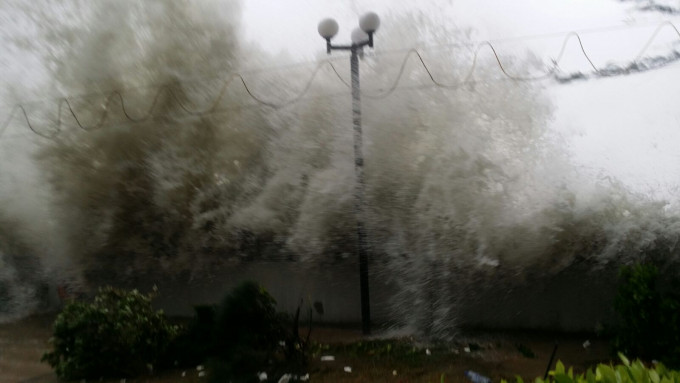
493, 354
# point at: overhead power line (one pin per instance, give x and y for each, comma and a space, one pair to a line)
65, 106
552, 71
231, 109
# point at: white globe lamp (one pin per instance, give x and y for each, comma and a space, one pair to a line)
369, 22
328, 28
359, 36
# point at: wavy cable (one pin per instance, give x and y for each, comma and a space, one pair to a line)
64, 102
28, 122
653, 36
467, 78
583, 49
554, 68
377, 52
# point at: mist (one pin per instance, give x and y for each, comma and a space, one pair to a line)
463, 183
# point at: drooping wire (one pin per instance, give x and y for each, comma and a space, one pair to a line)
292, 100
22, 110
466, 79
64, 102
473, 43
552, 71
653, 36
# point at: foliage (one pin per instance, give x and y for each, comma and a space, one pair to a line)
525, 350
251, 337
626, 372
118, 334
649, 326
195, 342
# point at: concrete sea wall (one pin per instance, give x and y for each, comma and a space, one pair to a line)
575, 299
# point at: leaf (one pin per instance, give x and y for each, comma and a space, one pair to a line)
654, 376
563, 378
590, 376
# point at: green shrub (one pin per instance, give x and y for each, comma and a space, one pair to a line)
117, 335
251, 336
626, 372
525, 350
195, 343
648, 316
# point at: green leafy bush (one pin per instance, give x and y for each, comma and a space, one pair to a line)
525, 350
649, 325
195, 343
251, 337
626, 372
119, 334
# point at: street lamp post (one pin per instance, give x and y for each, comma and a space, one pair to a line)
361, 37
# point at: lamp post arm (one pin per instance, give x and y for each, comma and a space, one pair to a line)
354, 46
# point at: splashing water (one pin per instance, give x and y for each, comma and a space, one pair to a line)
462, 185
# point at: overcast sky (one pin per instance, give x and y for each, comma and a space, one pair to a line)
291, 24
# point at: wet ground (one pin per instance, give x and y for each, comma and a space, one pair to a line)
494, 354
22, 344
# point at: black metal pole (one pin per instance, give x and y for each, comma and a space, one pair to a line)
552, 357
362, 245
